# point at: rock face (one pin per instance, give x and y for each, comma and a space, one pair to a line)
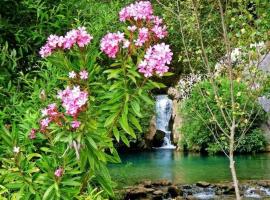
177, 120
163, 189
152, 129
265, 63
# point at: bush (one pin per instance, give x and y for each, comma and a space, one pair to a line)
255, 141
197, 119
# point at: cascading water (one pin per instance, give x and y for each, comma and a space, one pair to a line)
164, 113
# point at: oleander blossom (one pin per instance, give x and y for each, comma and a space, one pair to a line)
160, 31
32, 134
143, 36
73, 100
110, 43
72, 74
141, 10
16, 149
155, 60
83, 75
75, 124
76, 36
59, 172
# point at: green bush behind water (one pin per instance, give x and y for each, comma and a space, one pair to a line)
198, 137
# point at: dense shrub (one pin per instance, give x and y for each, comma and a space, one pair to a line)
198, 119
56, 145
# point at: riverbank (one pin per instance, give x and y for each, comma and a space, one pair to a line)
166, 190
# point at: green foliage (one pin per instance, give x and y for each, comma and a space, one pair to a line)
247, 22
198, 120
117, 95
253, 142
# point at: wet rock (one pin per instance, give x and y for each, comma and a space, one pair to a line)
147, 184
264, 183
158, 195
174, 191
136, 193
186, 187
158, 138
158, 192
229, 190
162, 183
203, 184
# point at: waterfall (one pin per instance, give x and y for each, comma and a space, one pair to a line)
164, 113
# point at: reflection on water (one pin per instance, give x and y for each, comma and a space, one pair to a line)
187, 168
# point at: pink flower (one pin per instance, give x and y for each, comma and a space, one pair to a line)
76, 36
126, 43
83, 38
72, 74
44, 112
52, 41
160, 31
110, 43
143, 36
73, 100
45, 51
59, 172
83, 74
139, 11
70, 39
32, 134
157, 20
132, 28
75, 124
155, 60
45, 123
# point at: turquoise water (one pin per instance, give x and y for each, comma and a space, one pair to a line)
187, 168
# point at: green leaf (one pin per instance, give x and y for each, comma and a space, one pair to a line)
168, 74
31, 155
124, 124
135, 122
116, 133
110, 119
47, 194
92, 143
125, 140
146, 99
136, 108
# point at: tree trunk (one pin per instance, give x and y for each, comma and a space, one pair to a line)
232, 167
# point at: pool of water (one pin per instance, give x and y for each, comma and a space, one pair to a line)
186, 168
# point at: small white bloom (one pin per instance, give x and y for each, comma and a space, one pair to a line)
16, 149
72, 74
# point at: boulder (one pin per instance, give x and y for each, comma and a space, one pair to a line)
149, 136
158, 138
136, 193
203, 184
177, 120
162, 183
174, 191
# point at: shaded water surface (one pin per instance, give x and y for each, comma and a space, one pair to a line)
187, 168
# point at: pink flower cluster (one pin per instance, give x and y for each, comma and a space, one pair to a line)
73, 100
110, 43
83, 75
149, 28
138, 11
51, 114
155, 60
76, 36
